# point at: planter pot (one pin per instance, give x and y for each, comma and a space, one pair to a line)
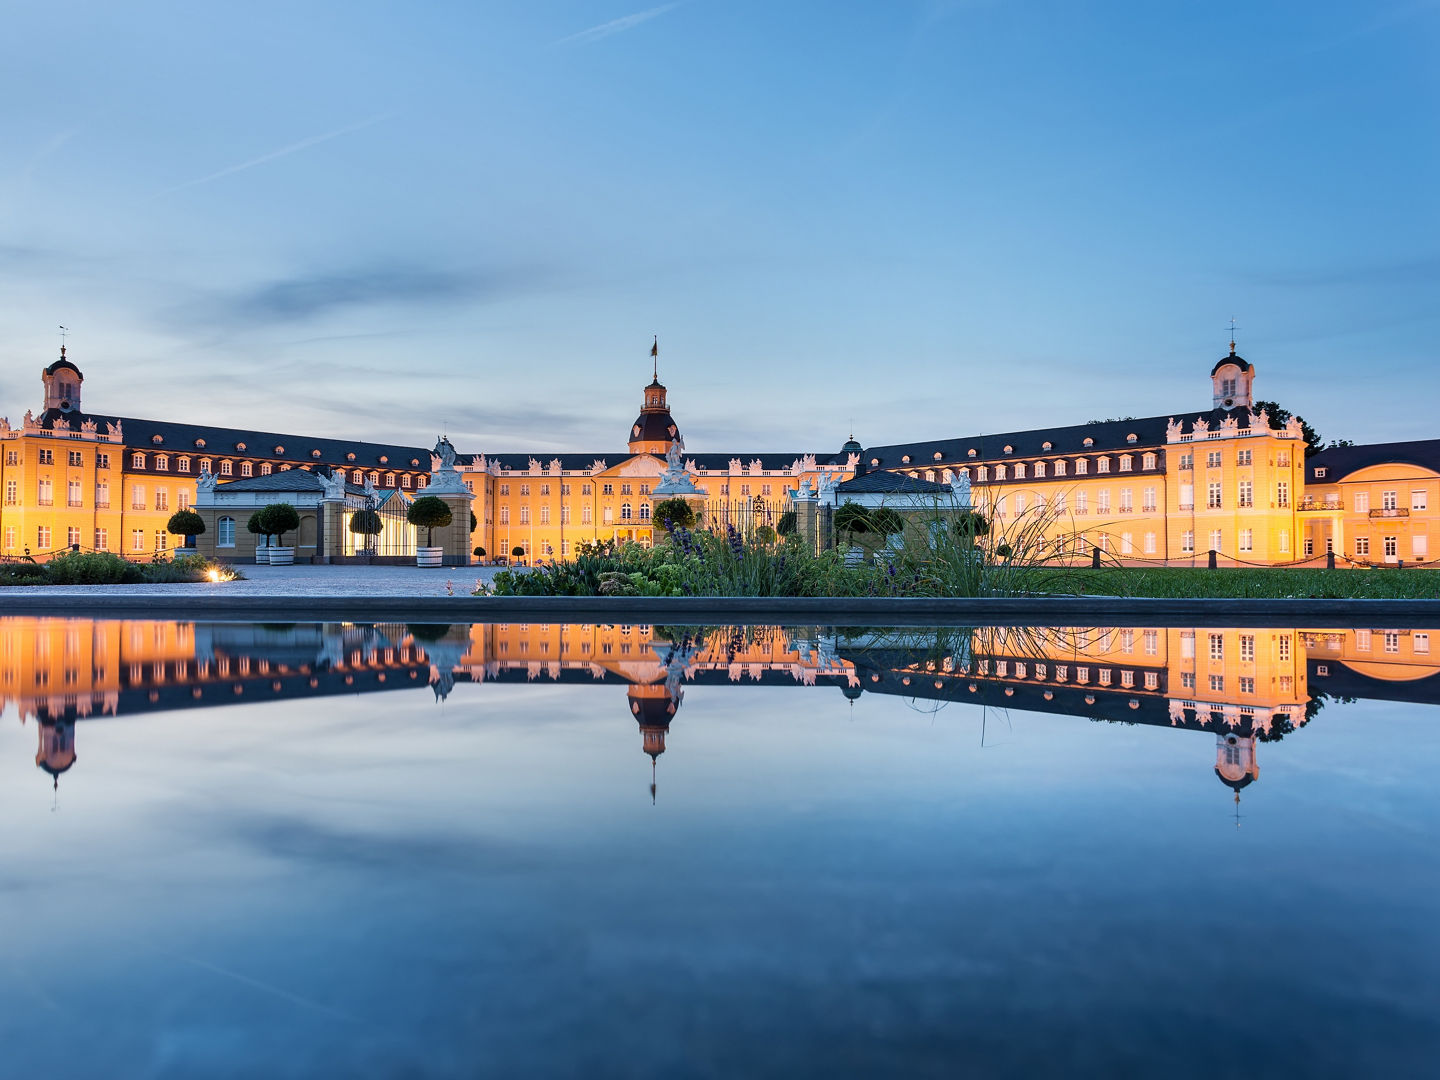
262, 556
429, 557
282, 556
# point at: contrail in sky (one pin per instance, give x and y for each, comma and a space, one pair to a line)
293, 148
617, 26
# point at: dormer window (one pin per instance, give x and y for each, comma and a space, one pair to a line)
1102, 464
983, 473
970, 452
315, 453
349, 457
999, 472
279, 449
1148, 461
1088, 441
1127, 462
157, 439
384, 460
1082, 466
1132, 438
240, 446
1009, 449
200, 443
1020, 471
1320, 472
1039, 470
874, 461
1045, 446
938, 455
137, 461
905, 459
1060, 467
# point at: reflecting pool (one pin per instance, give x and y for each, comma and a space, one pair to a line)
388, 850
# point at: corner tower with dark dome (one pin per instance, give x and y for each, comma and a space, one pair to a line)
62, 381
654, 430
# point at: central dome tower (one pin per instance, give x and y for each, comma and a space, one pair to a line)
654, 430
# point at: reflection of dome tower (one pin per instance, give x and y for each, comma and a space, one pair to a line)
62, 381
57, 748
1233, 379
653, 707
653, 431
1235, 763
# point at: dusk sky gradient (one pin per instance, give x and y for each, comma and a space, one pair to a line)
938, 218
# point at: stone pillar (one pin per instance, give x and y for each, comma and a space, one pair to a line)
332, 530
455, 537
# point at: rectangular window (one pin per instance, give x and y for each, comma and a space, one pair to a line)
585, 515
1127, 641
1147, 500
1217, 684
12, 492
162, 463
1420, 643
1247, 539
102, 539
45, 493
72, 536
1392, 547
1214, 499
565, 514
1419, 500
1187, 461
1127, 543
545, 515
1247, 684
1212, 459
1127, 504
1187, 542
162, 539
137, 498
1284, 541
74, 457
1362, 545
524, 515
1081, 467
1081, 502
162, 499
1149, 543
137, 539
1217, 646
1389, 500
607, 489
1187, 645
1242, 457
1247, 648
1361, 500
182, 499
9, 537
1127, 463
1102, 502
1217, 540
1246, 495
1187, 680
1392, 641
1102, 464
47, 457
524, 489
1152, 642
42, 538
73, 495
1419, 548
1282, 493
137, 461
225, 532
1362, 640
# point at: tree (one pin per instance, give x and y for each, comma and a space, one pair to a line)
787, 523
886, 522
674, 514
765, 535
479, 552
852, 520
186, 523
518, 551
366, 523
429, 512
256, 525
970, 524
277, 519
1313, 442
474, 521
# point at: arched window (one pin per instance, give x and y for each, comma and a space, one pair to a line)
225, 532
625, 512
644, 511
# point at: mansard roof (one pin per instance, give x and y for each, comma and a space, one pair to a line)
769, 462
298, 479
890, 483
1341, 461
178, 438
1107, 435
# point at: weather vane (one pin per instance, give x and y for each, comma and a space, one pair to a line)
63, 331
1232, 333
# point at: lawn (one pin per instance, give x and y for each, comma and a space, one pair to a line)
1188, 582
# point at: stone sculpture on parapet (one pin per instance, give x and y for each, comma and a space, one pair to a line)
675, 481
444, 480
960, 488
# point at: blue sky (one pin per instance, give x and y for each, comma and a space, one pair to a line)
935, 217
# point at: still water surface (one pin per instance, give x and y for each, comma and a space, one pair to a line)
423, 851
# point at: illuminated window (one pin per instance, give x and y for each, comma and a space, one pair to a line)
225, 532
1102, 465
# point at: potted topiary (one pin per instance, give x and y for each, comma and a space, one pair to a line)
186, 523
278, 519
367, 524
256, 528
518, 552
429, 512
480, 554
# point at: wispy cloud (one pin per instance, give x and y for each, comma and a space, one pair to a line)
284, 151
616, 26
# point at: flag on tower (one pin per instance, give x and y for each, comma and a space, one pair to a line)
655, 348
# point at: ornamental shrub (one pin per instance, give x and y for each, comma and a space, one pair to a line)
675, 514
277, 519
429, 512
185, 523
786, 525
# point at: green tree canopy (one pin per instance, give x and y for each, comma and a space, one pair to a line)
675, 514
852, 519
185, 523
787, 523
886, 521
429, 512
277, 519
765, 535
1313, 442
479, 552
366, 523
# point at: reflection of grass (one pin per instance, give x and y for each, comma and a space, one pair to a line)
1188, 582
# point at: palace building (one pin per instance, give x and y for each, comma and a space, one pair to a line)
1226, 479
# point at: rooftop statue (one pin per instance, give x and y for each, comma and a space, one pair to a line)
206, 481
445, 452
960, 487
334, 485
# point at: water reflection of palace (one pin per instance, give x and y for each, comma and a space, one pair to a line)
1243, 685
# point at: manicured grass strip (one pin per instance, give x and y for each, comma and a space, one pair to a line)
1186, 582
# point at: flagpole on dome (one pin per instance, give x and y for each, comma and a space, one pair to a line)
655, 358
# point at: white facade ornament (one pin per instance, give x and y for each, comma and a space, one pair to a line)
852, 461
116, 431
1173, 430
60, 424
827, 486
535, 467
1177, 713
1230, 426
4, 423
1201, 426
89, 427
756, 467
735, 466
960, 488
598, 465
30, 424
1294, 429
675, 480
334, 485
206, 481
555, 467
803, 493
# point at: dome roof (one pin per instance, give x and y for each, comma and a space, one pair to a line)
654, 425
1238, 361
851, 446
653, 712
62, 364
1243, 782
